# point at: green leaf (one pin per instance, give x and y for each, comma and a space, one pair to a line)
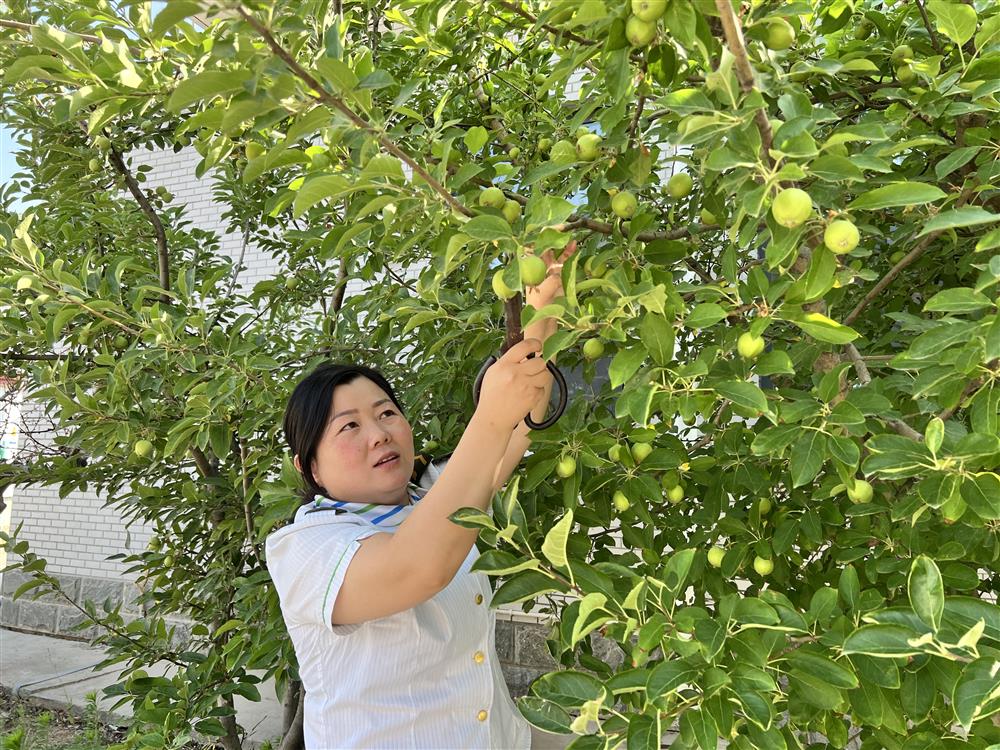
624, 364
989, 241
926, 591
544, 714
554, 546
897, 194
822, 328
883, 641
744, 394
316, 189
525, 585
497, 562
955, 20
808, 455
836, 169
676, 570
475, 139
982, 493
823, 669
667, 677
643, 733
700, 725
172, 14
957, 158
569, 688
966, 216
657, 335
705, 315
977, 692
958, 299
487, 228
205, 85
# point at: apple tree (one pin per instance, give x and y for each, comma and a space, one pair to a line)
787, 216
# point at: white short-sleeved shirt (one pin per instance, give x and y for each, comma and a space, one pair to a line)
427, 677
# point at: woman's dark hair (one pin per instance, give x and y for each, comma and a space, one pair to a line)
309, 408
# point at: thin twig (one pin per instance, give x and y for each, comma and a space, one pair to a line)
930, 29
336, 103
865, 377
516, 8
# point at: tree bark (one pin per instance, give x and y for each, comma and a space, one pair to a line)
294, 738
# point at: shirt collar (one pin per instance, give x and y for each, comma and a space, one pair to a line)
376, 513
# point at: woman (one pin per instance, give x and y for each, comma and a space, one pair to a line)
393, 634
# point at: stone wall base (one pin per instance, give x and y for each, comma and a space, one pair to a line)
520, 643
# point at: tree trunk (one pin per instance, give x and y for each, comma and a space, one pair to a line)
294, 739
290, 704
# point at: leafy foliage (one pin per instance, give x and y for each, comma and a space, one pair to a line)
358, 144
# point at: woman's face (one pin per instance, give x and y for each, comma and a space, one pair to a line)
364, 426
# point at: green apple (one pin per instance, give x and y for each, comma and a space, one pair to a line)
640, 451
841, 236
670, 479
621, 501
566, 467
708, 218
864, 29
143, 448
492, 197
764, 506
901, 54
750, 346
791, 207
544, 144
514, 152
715, 556
532, 269
861, 492
624, 204
588, 146
638, 32
780, 35
905, 74
593, 349
675, 494
500, 287
563, 152
648, 10
511, 211
763, 566
539, 78
679, 185
94, 165
615, 452
897, 256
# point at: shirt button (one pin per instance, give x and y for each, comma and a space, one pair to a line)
479, 598
482, 716
479, 656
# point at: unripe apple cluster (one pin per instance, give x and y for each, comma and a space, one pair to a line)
640, 29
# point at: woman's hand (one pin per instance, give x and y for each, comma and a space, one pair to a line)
551, 286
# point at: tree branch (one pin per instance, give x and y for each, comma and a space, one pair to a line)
930, 28
336, 103
516, 8
163, 259
865, 377
906, 260
744, 71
